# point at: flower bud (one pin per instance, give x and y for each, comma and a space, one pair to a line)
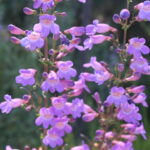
51, 52
89, 117
26, 97
97, 98
15, 30
28, 11
125, 14
15, 40
116, 18
45, 74
136, 89
120, 67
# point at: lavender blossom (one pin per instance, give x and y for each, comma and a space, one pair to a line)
47, 25
52, 83
77, 107
61, 125
144, 10
116, 96
65, 70
9, 104
52, 139
140, 65
46, 117
129, 113
137, 46
32, 41
44, 4
59, 106
26, 77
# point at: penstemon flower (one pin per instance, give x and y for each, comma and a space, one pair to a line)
59, 89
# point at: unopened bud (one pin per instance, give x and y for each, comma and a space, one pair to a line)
125, 14
15, 40
15, 30
28, 11
116, 18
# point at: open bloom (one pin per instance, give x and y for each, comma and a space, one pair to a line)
101, 74
140, 65
137, 46
77, 107
44, 4
10, 104
144, 10
61, 125
32, 41
52, 83
59, 106
47, 25
52, 139
45, 118
65, 70
26, 77
97, 27
116, 96
129, 113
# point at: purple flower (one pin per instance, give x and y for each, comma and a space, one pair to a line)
141, 99
129, 113
76, 31
101, 73
95, 39
98, 77
137, 46
144, 10
65, 70
116, 96
26, 77
60, 107
140, 130
45, 4
81, 147
46, 117
47, 25
97, 66
52, 139
97, 27
140, 65
79, 86
10, 104
52, 83
77, 107
32, 41
61, 125
122, 146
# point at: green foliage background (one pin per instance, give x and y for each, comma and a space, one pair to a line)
17, 129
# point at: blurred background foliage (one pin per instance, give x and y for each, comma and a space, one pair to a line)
17, 128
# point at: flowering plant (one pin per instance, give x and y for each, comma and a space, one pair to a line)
56, 94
